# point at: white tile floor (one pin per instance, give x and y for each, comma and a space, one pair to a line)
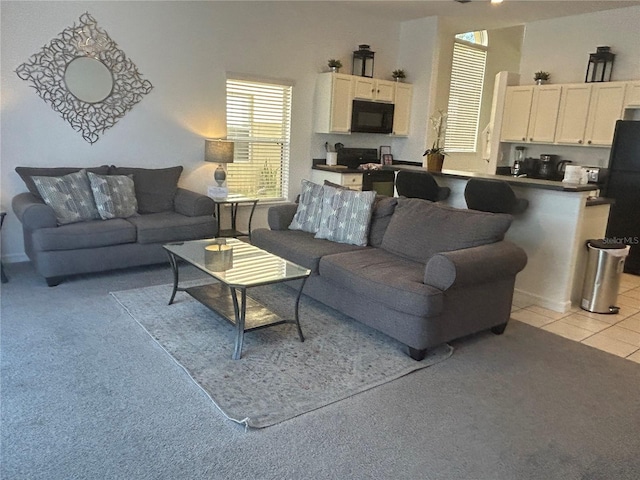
617, 334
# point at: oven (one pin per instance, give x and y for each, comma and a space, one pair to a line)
382, 181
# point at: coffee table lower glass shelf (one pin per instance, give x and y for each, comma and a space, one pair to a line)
237, 266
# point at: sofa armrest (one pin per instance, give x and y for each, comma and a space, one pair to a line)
279, 217
32, 212
477, 265
192, 204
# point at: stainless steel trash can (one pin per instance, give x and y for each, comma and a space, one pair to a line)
602, 276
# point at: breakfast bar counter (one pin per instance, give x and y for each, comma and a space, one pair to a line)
553, 231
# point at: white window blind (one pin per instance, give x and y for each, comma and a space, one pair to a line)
259, 123
465, 97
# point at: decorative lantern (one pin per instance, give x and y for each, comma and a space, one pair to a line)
363, 62
600, 65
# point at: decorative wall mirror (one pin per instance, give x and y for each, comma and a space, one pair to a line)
86, 78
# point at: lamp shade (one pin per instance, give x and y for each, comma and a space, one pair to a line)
218, 151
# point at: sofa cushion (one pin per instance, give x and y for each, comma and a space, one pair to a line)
69, 196
91, 234
166, 227
155, 187
419, 229
27, 172
345, 216
114, 195
383, 209
297, 246
307, 217
384, 278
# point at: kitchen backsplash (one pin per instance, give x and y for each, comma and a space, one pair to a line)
583, 156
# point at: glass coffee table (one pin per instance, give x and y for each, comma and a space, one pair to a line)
237, 266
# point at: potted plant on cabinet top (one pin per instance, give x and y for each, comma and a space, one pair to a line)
435, 155
398, 75
541, 77
334, 65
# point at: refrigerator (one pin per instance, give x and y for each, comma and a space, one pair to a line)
623, 186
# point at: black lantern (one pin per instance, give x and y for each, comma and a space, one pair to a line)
363, 62
600, 65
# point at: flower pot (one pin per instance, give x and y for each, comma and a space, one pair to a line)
335, 69
433, 162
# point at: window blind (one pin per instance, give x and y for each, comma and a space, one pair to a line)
465, 97
259, 123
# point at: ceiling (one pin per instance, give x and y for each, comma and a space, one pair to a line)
481, 14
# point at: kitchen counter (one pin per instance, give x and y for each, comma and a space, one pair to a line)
335, 168
524, 182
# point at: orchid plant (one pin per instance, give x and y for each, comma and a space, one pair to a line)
439, 125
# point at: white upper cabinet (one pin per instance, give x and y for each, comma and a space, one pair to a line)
517, 108
365, 88
544, 113
402, 109
335, 93
588, 113
605, 108
632, 95
333, 103
572, 118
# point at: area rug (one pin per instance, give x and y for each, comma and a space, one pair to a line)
278, 377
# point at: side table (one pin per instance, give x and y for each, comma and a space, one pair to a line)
3, 276
234, 201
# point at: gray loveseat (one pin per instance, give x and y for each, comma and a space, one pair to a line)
164, 213
429, 274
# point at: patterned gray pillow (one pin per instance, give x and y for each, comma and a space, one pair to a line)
115, 195
69, 196
307, 217
345, 215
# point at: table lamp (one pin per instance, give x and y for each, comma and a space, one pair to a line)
218, 151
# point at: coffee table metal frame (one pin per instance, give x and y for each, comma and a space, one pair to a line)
208, 295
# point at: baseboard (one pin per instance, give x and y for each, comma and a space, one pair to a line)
524, 298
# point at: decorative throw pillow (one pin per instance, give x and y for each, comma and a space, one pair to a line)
307, 217
345, 215
69, 196
115, 195
27, 174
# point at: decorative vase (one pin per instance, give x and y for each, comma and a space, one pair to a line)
335, 69
434, 162
540, 81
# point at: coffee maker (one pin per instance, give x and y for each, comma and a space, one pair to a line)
547, 166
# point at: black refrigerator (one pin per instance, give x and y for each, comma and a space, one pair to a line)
623, 186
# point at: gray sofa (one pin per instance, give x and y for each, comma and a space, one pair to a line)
165, 213
429, 274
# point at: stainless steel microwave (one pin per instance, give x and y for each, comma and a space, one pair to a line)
372, 117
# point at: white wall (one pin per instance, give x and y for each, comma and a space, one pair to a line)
185, 49
562, 46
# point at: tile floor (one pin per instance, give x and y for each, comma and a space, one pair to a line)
617, 334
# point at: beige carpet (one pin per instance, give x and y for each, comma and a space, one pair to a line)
278, 377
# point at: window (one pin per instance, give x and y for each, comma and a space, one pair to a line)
465, 92
258, 122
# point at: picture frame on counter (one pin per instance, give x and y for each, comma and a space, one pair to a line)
384, 150
387, 159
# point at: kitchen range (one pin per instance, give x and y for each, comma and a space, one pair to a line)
356, 168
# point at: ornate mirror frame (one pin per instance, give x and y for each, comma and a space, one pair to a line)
46, 71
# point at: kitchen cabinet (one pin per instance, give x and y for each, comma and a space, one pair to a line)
572, 116
544, 113
517, 109
588, 113
402, 109
352, 181
365, 88
333, 103
605, 108
632, 95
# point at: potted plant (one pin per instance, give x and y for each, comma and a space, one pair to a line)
541, 77
398, 75
334, 65
435, 154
